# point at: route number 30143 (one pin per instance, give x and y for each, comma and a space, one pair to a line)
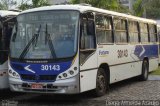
50, 67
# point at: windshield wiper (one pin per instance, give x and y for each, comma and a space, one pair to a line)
33, 40
49, 41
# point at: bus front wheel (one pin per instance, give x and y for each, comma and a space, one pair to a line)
101, 83
145, 70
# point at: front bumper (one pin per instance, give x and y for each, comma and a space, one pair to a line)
67, 86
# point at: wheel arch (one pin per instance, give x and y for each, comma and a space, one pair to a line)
147, 59
105, 66
144, 73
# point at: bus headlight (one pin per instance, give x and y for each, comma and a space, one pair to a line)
71, 72
13, 74
64, 75
67, 74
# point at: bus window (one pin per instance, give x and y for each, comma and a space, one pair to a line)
1, 46
144, 33
87, 34
133, 32
87, 39
152, 33
8, 31
120, 30
5, 35
103, 29
0, 35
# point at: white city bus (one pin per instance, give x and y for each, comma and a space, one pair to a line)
7, 20
71, 49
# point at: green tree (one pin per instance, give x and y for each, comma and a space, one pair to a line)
147, 8
24, 6
35, 3
105, 4
138, 8
39, 3
153, 9
6, 4
3, 6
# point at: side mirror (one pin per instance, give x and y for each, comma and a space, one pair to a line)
90, 27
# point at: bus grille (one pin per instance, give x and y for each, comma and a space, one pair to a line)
28, 77
47, 77
40, 77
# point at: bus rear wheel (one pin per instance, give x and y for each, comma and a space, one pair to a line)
145, 70
101, 83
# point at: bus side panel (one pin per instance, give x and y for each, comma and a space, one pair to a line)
125, 61
125, 71
122, 61
4, 76
153, 64
88, 80
88, 73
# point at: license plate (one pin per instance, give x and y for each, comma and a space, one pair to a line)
36, 86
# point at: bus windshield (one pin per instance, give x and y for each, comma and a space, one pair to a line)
45, 35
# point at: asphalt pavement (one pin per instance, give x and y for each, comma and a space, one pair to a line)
128, 91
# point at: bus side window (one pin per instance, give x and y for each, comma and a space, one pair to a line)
103, 29
3, 43
1, 48
153, 33
144, 33
87, 37
88, 34
0, 35
133, 32
120, 30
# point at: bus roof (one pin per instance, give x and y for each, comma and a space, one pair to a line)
83, 8
4, 13
158, 25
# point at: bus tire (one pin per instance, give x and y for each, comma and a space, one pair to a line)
145, 70
101, 83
